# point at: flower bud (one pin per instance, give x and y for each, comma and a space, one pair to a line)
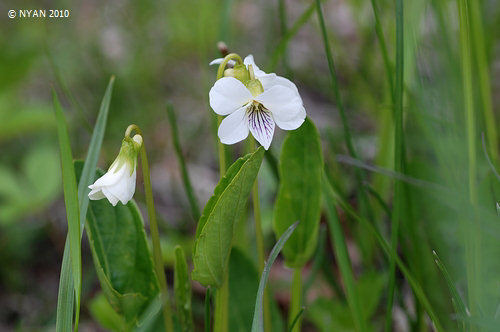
239, 72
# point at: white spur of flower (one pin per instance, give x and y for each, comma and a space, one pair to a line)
118, 184
256, 111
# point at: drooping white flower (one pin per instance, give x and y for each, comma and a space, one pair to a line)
256, 107
118, 184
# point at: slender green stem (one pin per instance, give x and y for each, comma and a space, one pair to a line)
398, 159
478, 45
259, 239
207, 310
343, 260
281, 47
283, 30
193, 202
363, 196
296, 300
383, 48
470, 250
155, 234
221, 319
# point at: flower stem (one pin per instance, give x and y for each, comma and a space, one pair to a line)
227, 58
155, 235
207, 310
296, 300
259, 239
221, 317
222, 293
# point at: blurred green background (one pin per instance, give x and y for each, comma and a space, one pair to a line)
159, 52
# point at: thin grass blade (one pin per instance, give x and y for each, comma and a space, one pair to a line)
193, 202
337, 238
398, 158
72, 209
458, 303
258, 319
417, 289
65, 299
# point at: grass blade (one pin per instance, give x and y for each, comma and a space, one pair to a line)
479, 47
182, 291
71, 203
458, 303
93, 151
258, 320
66, 294
363, 196
65, 299
337, 238
398, 158
417, 289
195, 210
280, 50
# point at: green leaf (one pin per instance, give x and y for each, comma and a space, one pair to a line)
182, 291
344, 262
105, 315
335, 315
299, 196
243, 285
214, 233
121, 256
258, 319
72, 208
65, 298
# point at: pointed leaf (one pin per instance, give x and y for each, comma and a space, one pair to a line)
214, 233
299, 196
121, 256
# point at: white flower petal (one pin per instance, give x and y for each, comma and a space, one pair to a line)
285, 105
234, 127
111, 198
227, 95
265, 79
96, 194
115, 185
218, 61
291, 123
124, 189
261, 125
278, 80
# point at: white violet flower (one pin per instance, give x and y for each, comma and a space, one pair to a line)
256, 106
118, 184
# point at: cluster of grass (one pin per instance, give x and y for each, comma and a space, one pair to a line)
404, 98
